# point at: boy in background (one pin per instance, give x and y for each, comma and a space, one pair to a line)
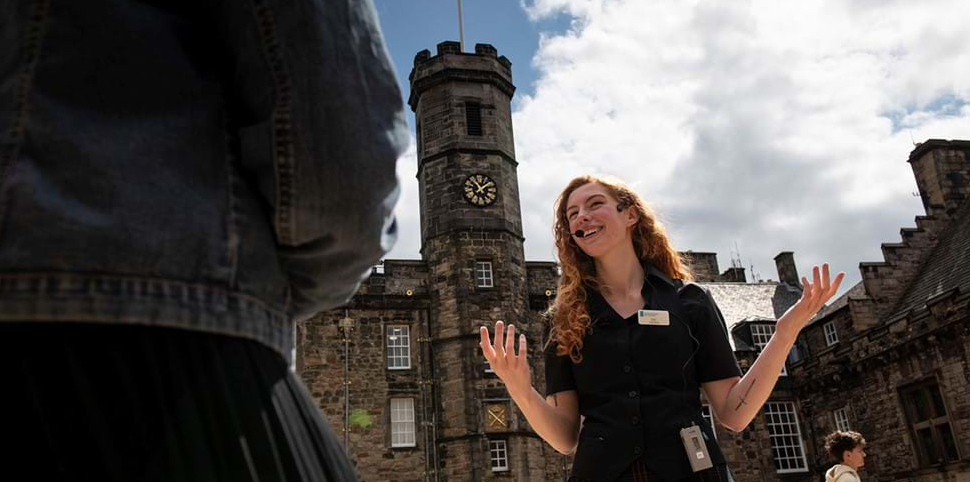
849, 451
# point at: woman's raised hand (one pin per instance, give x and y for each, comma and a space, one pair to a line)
814, 296
512, 369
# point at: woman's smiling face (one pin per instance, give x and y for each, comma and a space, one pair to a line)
592, 208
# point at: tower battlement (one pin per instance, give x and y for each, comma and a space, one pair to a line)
451, 47
451, 64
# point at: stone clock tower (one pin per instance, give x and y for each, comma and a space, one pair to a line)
472, 243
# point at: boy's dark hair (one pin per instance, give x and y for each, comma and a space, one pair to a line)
836, 443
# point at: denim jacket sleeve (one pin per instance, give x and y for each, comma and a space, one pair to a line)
322, 127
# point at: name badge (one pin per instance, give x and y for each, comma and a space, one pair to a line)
653, 317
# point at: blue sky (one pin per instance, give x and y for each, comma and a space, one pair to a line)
752, 127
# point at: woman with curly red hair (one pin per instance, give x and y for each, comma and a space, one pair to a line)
632, 343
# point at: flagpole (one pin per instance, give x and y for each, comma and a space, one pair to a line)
461, 30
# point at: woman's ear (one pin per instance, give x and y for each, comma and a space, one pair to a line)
632, 216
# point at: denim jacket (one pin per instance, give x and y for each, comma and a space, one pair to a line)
226, 167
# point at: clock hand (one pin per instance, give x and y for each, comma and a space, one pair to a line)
481, 188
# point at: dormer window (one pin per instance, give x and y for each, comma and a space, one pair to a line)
760, 334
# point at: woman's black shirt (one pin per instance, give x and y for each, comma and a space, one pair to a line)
638, 385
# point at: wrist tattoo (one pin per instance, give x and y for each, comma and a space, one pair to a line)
743, 397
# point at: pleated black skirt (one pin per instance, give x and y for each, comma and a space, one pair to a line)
137, 403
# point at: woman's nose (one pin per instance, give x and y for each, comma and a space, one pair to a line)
579, 219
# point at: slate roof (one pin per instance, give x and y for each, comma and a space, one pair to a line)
947, 267
751, 301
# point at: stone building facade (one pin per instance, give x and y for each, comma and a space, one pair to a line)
891, 357
398, 371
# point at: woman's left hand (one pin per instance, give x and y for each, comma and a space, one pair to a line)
814, 296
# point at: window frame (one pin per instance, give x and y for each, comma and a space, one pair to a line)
473, 119
504, 451
841, 423
932, 423
770, 409
388, 356
491, 274
396, 425
831, 335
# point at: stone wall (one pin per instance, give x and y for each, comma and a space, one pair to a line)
865, 372
363, 409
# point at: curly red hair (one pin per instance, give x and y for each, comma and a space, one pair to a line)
569, 315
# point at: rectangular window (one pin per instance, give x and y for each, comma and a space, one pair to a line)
760, 334
402, 422
499, 454
483, 274
785, 437
841, 419
709, 417
831, 337
473, 118
929, 423
488, 367
398, 347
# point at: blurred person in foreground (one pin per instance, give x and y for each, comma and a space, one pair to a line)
180, 183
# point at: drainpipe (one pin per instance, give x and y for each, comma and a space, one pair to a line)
434, 395
424, 399
347, 324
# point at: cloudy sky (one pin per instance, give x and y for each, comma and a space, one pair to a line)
752, 127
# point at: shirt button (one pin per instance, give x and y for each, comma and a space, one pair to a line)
633, 394
636, 450
635, 420
627, 368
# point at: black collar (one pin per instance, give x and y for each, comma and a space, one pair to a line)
599, 308
652, 272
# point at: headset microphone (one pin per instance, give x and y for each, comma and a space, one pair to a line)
579, 233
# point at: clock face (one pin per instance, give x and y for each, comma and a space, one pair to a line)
479, 190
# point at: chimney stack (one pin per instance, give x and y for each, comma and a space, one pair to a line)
702, 265
734, 275
942, 170
787, 272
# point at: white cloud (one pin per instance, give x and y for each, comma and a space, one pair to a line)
408, 209
775, 125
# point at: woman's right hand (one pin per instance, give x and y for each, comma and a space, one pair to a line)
512, 369
555, 418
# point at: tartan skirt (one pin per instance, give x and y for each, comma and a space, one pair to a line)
139, 403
